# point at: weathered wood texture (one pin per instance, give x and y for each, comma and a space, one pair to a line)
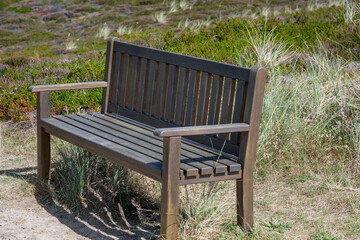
123, 140
164, 89
170, 188
43, 138
205, 116
248, 143
67, 86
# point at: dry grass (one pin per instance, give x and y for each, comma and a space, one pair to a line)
160, 17
103, 32
17, 159
71, 44
296, 207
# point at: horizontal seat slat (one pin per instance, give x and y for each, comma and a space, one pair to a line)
186, 158
107, 149
136, 140
212, 158
196, 162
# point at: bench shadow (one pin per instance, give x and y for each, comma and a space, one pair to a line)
98, 220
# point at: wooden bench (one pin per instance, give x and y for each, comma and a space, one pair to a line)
174, 118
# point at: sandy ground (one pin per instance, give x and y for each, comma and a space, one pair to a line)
27, 219
302, 208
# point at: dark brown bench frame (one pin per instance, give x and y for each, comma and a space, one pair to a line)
202, 107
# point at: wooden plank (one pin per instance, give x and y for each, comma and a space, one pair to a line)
67, 86
237, 108
213, 142
141, 86
145, 150
227, 104
170, 189
107, 73
203, 99
181, 96
219, 100
112, 151
160, 93
146, 139
114, 84
124, 71
248, 144
188, 150
133, 79
214, 99
199, 64
136, 144
190, 105
213, 178
43, 138
165, 87
201, 130
150, 87
189, 166
171, 93
196, 99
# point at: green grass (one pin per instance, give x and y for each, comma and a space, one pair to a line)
78, 174
309, 145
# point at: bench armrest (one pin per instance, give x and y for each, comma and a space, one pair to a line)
201, 130
67, 86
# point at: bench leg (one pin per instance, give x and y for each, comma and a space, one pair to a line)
244, 200
43, 160
170, 188
43, 138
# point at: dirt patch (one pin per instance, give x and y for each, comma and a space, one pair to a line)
27, 219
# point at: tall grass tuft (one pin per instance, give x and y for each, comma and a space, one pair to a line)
185, 5
71, 44
270, 51
201, 211
79, 172
310, 108
103, 32
195, 25
160, 17
351, 13
122, 30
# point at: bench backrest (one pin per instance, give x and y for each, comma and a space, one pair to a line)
164, 89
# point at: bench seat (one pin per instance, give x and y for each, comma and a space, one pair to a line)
174, 118
133, 145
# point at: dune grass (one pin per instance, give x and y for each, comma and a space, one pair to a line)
307, 170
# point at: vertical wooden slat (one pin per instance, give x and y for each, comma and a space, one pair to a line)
43, 138
115, 78
219, 100
150, 87
226, 100
160, 85
133, 78
202, 99
192, 97
238, 102
165, 87
247, 150
227, 104
181, 96
196, 99
124, 70
170, 188
108, 73
213, 99
140, 91
171, 93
